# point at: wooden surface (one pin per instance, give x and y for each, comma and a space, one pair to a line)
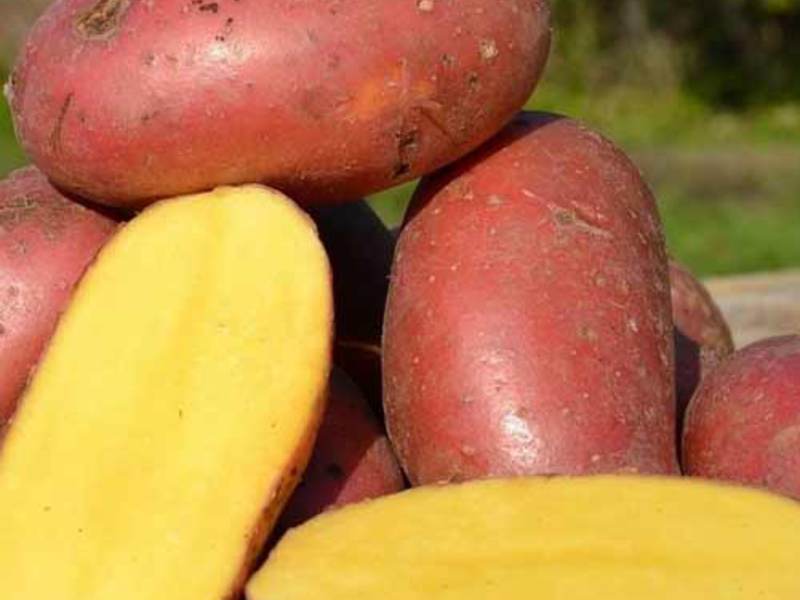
759, 306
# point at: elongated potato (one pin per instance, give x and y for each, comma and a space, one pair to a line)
137, 465
352, 459
46, 242
743, 424
702, 337
126, 101
528, 326
578, 539
360, 248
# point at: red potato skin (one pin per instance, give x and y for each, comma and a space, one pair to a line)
360, 248
528, 326
702, 336
352, 460
46, 243
743, 424
124, 102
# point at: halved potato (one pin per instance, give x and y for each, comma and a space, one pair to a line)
615, 538
175, 408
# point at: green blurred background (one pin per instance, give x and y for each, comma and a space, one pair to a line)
705, 95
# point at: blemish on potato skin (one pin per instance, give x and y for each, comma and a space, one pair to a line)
16, 210
203, 6
407, 142
495, 200
473, 81
488, 49
55, 136
227, 30
425, 5
587, 333
102, 20
566, 218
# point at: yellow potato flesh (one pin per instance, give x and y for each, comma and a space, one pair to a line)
561, 539
175, 408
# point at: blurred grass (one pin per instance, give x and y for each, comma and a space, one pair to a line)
10, 154
729, 236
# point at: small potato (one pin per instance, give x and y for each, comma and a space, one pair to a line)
702, 337
352, 459
126, 102
46, 243
743, 423
528, 327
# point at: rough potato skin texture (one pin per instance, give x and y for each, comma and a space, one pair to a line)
360, 248
352, 460
46, 243
528, 326
125, 101
702, 337
743, 424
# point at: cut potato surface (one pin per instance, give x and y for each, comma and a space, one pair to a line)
175, 408
615, 538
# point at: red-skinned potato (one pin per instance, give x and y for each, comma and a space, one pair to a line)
360, 248
124, 102
528, 325
352, 460
743, 423
702, 337
46, 243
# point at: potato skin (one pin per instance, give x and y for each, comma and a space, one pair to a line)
352, 460
124, 102
46, 243
528, 325
360, 248
702, 337
743, 424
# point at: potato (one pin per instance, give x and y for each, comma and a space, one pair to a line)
618, 538
126, 101
137, 465
360, 248
702, 337
528, 326
743, 424
46, 242
352, 459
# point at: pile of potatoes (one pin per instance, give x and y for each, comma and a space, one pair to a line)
219, 370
